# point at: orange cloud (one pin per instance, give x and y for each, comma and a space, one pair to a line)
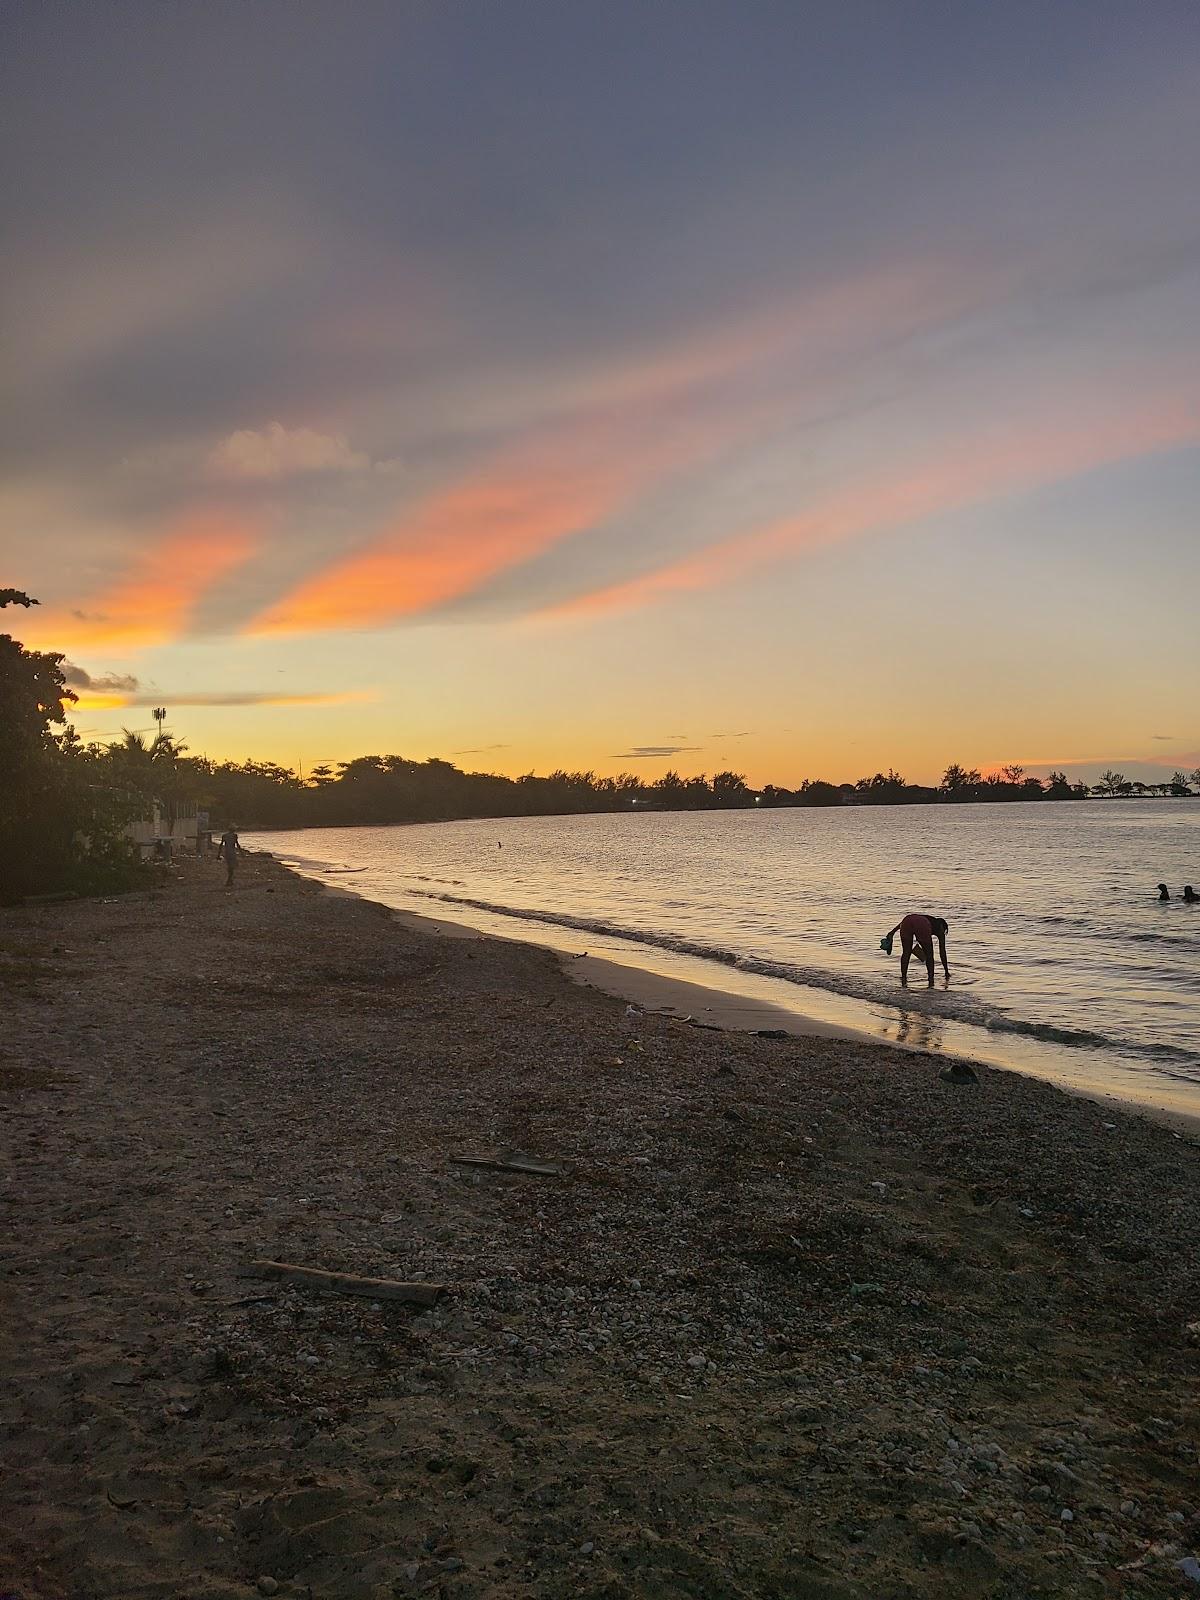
627, 426
155, 600
505, 514
963, 475
218, 697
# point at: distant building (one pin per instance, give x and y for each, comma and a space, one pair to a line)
159, 835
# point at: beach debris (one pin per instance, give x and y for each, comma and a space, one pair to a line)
633, 1011
958, 1072
771, 1033
419, 1294
516, 1161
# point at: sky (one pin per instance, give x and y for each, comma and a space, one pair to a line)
808, 389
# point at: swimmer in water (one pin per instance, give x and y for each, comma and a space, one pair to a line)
1163, 892
1190, 897
920, 930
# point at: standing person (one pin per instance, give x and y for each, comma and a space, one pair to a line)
920, 930
230, 849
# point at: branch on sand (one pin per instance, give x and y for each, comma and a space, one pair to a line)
417, 1294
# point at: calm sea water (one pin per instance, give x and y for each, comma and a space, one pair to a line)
1062, 961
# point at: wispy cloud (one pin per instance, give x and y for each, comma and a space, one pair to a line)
621, 431
105, 683
274, 452
962, 473
155, 600
647, 752
480, 749
99, 700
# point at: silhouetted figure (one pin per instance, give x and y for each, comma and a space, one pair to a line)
1190, 896
921, 931
1163, 892
229, 850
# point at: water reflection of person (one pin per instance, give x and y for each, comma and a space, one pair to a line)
919, 930
920, 1031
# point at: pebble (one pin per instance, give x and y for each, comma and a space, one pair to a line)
268, 1585
586, 1548
1129, 1508
1066, 1516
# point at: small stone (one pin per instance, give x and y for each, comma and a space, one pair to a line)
1066, 1516
1190, 1568
268, 1585
1129, 1508
699, 1362
958, 1072
1039, 1492
586, 1548
452, 1564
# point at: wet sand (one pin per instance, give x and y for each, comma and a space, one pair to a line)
801, 1319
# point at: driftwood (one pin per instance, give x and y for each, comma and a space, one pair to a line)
418, 1294
514, 1161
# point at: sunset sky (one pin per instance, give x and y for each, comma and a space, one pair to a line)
804, 388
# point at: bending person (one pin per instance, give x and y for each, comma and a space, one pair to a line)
920, 930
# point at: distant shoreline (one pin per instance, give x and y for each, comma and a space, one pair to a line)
706, 811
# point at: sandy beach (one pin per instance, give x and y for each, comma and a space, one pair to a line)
789, 1318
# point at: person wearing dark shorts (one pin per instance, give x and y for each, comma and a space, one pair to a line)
228, 851
919, 930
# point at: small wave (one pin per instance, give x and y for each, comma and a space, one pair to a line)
951, 1005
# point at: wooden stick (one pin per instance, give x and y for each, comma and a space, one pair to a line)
515, 1162
418, 1294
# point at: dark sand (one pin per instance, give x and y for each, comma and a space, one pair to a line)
804, 1321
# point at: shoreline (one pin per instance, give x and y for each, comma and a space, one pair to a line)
727, 1010
785, 1316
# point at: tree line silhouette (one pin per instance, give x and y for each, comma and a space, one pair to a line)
65, 806
383, 789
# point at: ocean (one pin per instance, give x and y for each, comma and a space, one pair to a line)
1063, 963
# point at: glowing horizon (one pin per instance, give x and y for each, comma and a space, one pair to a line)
840, 392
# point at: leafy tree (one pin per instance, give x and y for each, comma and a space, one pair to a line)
1112, 784
960, 783
60, 825
729, 789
